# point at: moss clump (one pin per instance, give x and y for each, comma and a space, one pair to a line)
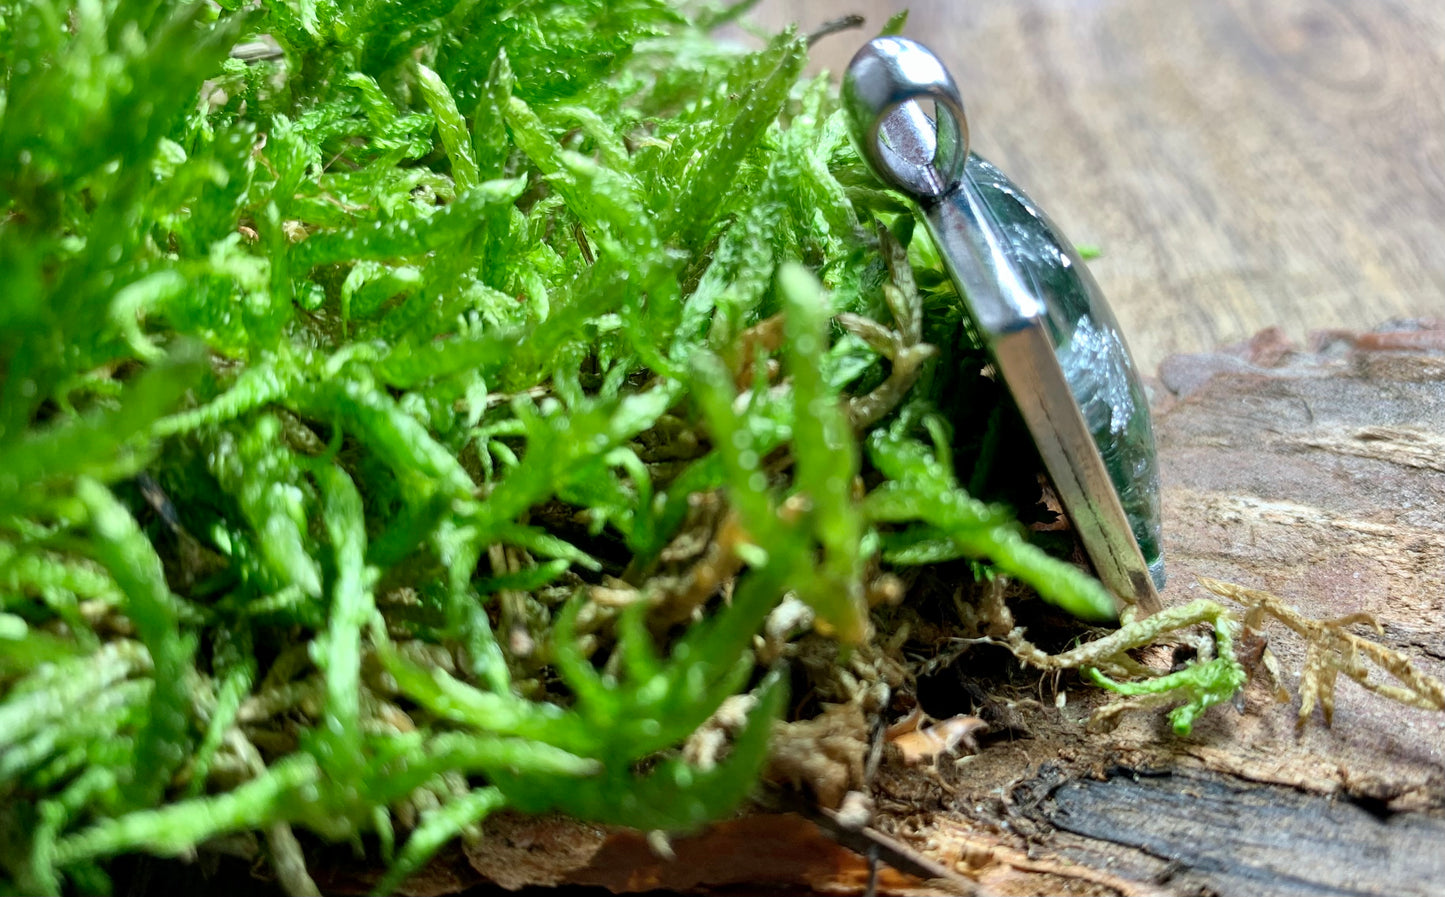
367, 370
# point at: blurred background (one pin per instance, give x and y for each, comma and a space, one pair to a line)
1240, 163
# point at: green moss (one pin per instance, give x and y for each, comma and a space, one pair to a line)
334, 378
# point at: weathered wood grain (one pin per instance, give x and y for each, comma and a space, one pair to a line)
1242, 163
1224, 836
1310, 476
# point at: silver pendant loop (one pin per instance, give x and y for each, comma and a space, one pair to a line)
888, 84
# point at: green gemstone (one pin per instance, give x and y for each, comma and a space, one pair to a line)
1090, 348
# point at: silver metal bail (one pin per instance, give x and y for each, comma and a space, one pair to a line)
889, 85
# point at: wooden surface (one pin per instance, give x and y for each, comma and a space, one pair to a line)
1242, 163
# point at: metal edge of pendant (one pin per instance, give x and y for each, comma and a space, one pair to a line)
1026, 361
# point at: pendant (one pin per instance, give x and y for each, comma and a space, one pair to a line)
1031, 303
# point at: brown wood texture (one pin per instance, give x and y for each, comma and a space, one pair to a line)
1242, 163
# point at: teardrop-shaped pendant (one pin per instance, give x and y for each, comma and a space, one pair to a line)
1031, 302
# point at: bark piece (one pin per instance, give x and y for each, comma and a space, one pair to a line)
1231, 837
1321, 479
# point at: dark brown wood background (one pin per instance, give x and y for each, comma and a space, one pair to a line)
1242, 163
